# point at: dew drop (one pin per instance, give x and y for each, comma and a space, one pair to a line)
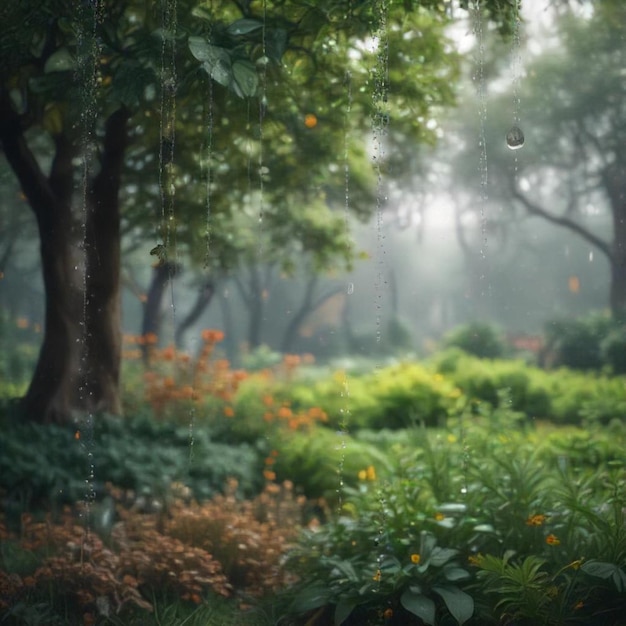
515, 138
350, 288
590, 256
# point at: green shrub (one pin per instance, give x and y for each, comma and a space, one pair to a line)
501, 519
613, 350
43, 464
521, 387
576, 343
319, 462
477, 338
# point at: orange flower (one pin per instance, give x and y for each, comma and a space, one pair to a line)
22, 322
388, 614
536, 520
310, 120
150, 339
268, 400
552, 540
168, 353
269, 475
212, 336
579, 605
229, 411
284, 412
415, 558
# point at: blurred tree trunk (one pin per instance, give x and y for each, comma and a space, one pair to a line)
203, 300
615, 183
162, 272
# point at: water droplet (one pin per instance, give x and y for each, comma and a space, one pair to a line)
350, 288
591, 256
515, 138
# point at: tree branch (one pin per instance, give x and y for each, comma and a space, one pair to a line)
566, 222
33, 181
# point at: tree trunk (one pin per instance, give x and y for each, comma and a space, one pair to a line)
615, 181
78, 364
103, 337
203, 299
151, 322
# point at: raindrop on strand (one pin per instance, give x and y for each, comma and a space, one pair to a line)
350, 288
515, 138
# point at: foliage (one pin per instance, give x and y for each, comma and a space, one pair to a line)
504, 522
320, 461
187, 551
577, 343
478, 339
50, 464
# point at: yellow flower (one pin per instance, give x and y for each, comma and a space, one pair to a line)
371, 473
362, 475
451, 438
439, 517
377, 575
475, 559
552, 540
415, 558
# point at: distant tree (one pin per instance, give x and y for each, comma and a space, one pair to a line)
571, 171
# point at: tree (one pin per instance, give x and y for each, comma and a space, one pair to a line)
104, 87
572, 169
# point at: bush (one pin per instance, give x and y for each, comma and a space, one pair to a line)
478, 339
576, 343
320, 461
521, 387
613, 350
476, 525
41, 464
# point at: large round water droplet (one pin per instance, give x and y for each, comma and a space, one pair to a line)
515, 138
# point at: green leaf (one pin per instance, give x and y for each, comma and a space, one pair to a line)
343, 610
215, 60
427, 543
459, 603
59, 61
347, 569
245, 78
600, 569
441, 556
275, 43
453, 573
311, 597
419, 605
244, 26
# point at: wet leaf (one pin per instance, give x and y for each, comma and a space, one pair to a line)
244, 26
343, 610
59, 61
419, 605
459, 603
245, 78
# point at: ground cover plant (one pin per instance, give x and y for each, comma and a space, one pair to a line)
284, 495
